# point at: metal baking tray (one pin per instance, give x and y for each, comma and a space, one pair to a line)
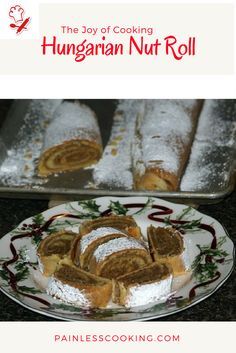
18, 178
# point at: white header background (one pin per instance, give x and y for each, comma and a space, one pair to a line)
113, 86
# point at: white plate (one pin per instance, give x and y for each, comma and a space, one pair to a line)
210, 248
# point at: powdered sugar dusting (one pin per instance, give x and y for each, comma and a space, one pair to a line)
66, 293
18, 167
114, 246
148, 293
185, 255
44, 107
217, 123
71, 121
89, 238
164, 131
115, 167
213, 151
209, 168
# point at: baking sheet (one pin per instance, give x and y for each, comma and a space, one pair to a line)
21, 136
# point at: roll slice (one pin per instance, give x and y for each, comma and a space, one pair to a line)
143, 286
162, 143
167, 246
72, 140
80, 288
84, 248
52, 249
119, 256
126, 224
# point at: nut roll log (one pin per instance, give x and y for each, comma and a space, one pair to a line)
72, 140
164, 135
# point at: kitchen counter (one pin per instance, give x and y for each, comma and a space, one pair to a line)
221, 306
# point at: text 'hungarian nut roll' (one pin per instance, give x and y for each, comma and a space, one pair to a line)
163, 141
119, 256
143, 286
72, 140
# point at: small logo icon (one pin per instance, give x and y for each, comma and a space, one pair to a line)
17, 13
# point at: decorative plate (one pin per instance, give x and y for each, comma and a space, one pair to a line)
211, 249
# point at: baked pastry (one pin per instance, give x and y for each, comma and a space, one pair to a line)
126, 224
167, 247
213, 149
78, 287
119, 256
114, 170
84, 248
52, 249
162, 144
143, 286
72, 140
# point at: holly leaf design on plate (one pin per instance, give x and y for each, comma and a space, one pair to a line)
117, 208
190, 226
89, 207
205, 265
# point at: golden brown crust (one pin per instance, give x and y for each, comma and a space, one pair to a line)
154, 273
167, 247
53, 248
120, 263
83, 259
69, 156
165, 242
73, 252
155, 177
123, 223
98, 290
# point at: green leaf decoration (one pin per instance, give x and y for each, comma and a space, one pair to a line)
89, 312
36, 238
22, 273
90, 206
21, 267
66, 307
117, 208
87, 205
39, 219
4, 275
190, 226
203, 269
193, 225
148, 205
61, 224
34, 228
185, 212
29, 290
